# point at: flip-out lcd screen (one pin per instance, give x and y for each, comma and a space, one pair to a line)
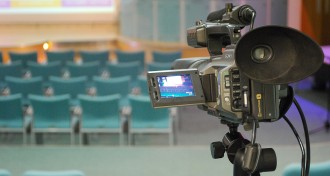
175, 88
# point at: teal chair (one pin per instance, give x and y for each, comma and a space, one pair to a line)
88, 69
24, 57
25, 87
60, 56
72, 86
45, 70
124, 69
156, 66
117, 85
166, 57
13, 69
4, 172
316, 169
91, 56
127, 57
52, 114
145, 119
12, 118
143, 85
100, 114
53, 173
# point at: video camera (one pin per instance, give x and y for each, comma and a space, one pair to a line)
245, 76
245, 81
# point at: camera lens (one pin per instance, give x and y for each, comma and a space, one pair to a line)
261, 54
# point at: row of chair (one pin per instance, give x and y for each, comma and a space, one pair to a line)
90, 69
99, 86
90, 56
96, 114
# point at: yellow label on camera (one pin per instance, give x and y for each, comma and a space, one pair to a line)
259, 97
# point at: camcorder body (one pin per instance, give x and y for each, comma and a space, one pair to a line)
245, 76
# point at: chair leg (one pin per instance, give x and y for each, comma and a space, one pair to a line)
81, 142
72, 138
24, 138
130, 135
121, 139
171, 139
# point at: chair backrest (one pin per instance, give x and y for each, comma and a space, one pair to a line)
32, 85
13, 69
98, 108
142, 81
62, 56
155, 66
11, 111
92, 56
72, 86
1, 59
4, 172
167, 57
123, 56
24, 57
316, 169
117, 85
53, 173
51, 109
88, 69
45, 70
143, 111
124, 69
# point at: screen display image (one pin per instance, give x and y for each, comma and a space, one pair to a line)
173, 86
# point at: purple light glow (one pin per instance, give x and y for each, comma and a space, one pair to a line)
87, 3
5, 4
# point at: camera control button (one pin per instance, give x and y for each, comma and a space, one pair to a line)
227, 99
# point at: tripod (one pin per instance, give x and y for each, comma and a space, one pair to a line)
241, 154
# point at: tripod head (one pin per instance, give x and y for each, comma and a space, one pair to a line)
247, 158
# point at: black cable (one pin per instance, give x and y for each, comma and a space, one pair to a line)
308, 147
302, 148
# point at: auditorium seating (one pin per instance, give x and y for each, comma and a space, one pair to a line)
143, 86
25, 86
24, 57
116, 85
1, 58
52, 115
91, 56
4, 172
53, 173
47, 82
316, 169
45, 70
72, 86
156, 66
88, 69
13, 69
12, 116
125, 69
62, 56
166, 57
144, 119
100, 114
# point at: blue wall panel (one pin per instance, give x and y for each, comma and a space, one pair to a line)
145, 19
196, 10
169, 20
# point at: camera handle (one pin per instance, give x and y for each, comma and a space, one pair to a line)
248, 159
